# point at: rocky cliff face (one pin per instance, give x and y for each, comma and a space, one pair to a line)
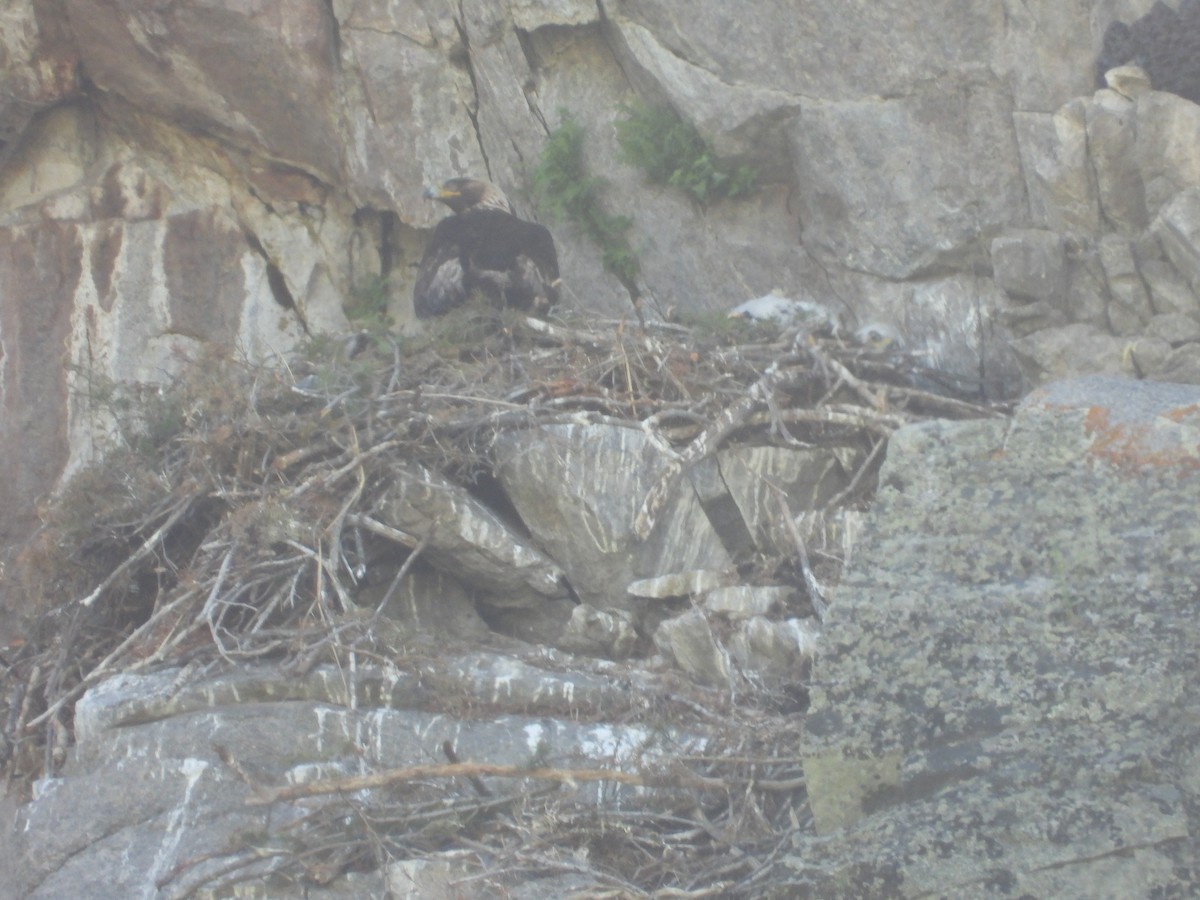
1001, 705
176, 178
180, 174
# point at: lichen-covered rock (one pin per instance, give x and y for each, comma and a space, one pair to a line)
1011, 648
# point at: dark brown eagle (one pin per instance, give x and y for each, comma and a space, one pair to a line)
484, 247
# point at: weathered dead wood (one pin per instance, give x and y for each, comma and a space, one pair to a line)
816, 594
778, 377
144, 550
443, 770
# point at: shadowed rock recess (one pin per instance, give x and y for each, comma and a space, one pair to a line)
301, 596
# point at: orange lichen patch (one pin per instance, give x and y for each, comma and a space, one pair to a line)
1096, 419
1185, 412
1144, 444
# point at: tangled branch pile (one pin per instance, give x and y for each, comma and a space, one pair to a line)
235, 518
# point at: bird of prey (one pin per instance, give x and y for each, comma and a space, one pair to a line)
483, 246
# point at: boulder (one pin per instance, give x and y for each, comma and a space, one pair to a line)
1174, 328
1169, 291
1178, 228
688, 641
1182, 365
466, 538
1059, 178
744, 601
1112, 135
1011, 648
426, 604
769, 483
1166, 126
1030, 263
161, 764
601, 475
1129, 308
770, 652
1057, 352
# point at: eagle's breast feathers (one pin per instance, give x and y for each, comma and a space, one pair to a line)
485, 247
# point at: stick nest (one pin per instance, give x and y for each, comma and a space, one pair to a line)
224, 525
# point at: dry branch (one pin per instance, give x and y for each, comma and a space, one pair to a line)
443, 770
147, 547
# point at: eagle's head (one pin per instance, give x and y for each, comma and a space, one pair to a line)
461, 194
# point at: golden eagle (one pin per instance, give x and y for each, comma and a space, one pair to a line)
484, 247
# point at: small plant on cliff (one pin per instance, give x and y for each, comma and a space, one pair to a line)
671, 151
564, 186
367, 305
141, 417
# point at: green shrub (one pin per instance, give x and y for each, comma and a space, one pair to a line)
565, 188
367, 305
671, 151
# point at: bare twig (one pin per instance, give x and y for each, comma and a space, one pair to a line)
449, 770
816, 594
146, 548
708, 442
385, 531
403, 570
